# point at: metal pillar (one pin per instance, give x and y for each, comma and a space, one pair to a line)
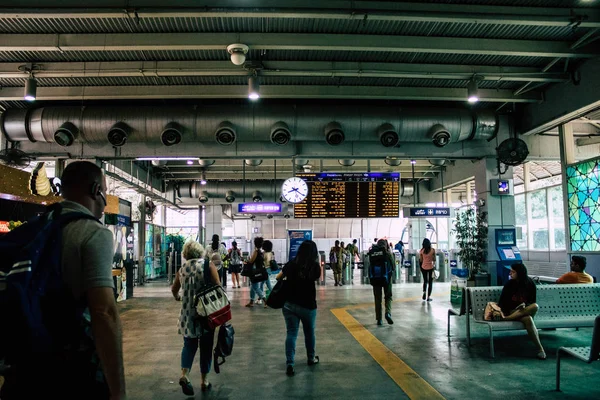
567, 156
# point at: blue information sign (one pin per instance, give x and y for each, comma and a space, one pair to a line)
429, 212
259, 208
296, 237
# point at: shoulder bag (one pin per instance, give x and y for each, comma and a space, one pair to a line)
278, 295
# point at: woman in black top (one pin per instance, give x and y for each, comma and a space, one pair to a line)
518, 303
301, 304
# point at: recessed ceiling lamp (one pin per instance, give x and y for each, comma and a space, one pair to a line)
253, 88
238, 53
472, 91
30, 89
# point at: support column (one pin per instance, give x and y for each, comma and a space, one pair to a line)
59, 167
213, 222
142, 244
500, 209
201, 225
567, 156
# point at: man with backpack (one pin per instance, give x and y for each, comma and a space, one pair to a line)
71, 336
381, 264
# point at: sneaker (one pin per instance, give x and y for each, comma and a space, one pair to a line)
388, 318
379, 322
186, 386
313, 361
429, 299
289, 371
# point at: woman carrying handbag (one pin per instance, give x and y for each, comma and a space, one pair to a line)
301, 302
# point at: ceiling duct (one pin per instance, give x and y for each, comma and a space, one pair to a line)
392, 161
117, 135
225, 133
280, 134
269, 124
440, 136
206, 163
253, 163
257, 196
66, 134
203, 198
407, 188
347, 163
230, 196
334, 135
172, 134
388, 136
190, 190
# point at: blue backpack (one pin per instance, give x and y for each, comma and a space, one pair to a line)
40, 317
379, 266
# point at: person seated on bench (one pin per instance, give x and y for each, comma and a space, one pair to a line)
517, 302
577, 273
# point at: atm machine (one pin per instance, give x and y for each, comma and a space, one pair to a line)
508, 252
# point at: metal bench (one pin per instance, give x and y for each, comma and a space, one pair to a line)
586, 354
462, 310
560, 306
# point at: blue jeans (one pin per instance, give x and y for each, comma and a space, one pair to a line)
256, 289
269, 285
190, 345
293, 314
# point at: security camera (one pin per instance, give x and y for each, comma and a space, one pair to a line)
270, 216
253, 217
287, 216
238, 53
257, 196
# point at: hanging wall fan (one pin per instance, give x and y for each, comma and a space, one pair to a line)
512, 151
15, 158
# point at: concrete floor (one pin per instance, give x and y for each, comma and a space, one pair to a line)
431, 366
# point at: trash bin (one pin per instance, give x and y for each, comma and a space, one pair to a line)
458, 282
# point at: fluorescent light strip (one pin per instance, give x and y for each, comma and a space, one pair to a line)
166, 158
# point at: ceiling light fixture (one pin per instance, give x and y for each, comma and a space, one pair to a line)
238, 53
253, 88
203, 178
30, 89
472, 91
413, 162
190, 162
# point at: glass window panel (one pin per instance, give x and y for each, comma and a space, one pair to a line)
555, 198
538, 222
537, 204
521, 220
540, 239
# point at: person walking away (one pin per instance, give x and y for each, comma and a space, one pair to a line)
257, 259
400, 248
191, 280
94, 370
518, 303
268, 256
335, 262
235, 263
427, 260
577, 273
301, 305
381, 266
352, 249
217, 247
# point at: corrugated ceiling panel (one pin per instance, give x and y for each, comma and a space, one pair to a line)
520, 3
82, 56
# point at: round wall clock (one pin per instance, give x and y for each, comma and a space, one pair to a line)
294, 190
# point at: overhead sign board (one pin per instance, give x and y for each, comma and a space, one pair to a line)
259, 208
427, 212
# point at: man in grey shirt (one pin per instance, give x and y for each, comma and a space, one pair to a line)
87, 252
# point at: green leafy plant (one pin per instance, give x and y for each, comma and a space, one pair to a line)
471, 231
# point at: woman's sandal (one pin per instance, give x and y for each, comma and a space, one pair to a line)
186, 386
205, 387
541, 355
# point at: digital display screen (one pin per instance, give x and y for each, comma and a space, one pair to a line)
505, 237
350, 195
503, 187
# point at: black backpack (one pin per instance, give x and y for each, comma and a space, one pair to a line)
379, 266
224, 345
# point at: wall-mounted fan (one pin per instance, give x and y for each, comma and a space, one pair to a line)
512, 151
15, 158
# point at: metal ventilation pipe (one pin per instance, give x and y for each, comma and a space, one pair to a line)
407, 188
334, 135
117, 135
388, 136
66, 134
440, 136
253, 163
172, 134
280, 133
226, 134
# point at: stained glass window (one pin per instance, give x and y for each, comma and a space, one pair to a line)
583, 186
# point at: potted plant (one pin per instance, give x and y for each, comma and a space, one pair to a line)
471, 233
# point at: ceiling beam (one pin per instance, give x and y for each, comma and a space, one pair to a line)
280, 68
266, 91
312, 9
291, 41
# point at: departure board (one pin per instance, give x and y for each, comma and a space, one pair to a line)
350, 195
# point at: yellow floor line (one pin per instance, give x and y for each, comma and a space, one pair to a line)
409, 381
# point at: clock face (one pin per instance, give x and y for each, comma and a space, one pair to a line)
294, 190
